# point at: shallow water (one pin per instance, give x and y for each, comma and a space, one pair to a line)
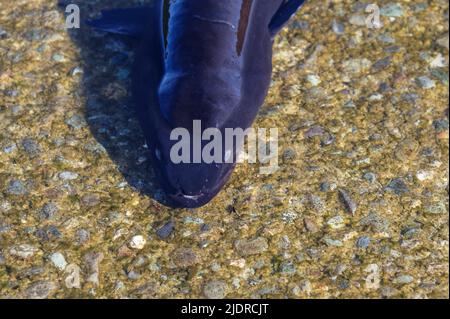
363, 121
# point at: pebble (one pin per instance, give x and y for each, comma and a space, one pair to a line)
2, 259
305, 286
349, 205
58, 260
436, 208
40, 289
313, 79
73, 281
403, 279
317, 203
23, 251
31, 147
3, 33
363, 242
336, 222
251, 247
333, 242
82, 236
356, 65
425, 82
392, 10
440, 125
311, 225
338, 27
58, 57
165, 231
184, 257
76, 122
370, 177
90, 200
92, 262
381, 64
288, 268
68, 176
374, 221
443, 42
398, 187
48, 211
17, 188
48, 233
138, 242
215, 289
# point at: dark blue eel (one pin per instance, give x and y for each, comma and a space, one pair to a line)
208, 60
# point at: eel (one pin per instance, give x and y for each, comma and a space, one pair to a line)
208, 61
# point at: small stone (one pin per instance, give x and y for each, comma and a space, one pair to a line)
40, 289
425, 82
68, 176
58, 260
73, 279
313, 79
370, 177
441, 125
310, 225
17, 188
82, 236
90, 200
215, 289
48, 211
444, 41
424, 175
333, 242
349, 205
288, 268
48, 233
58, 57
392, 10
165, 231
92, 262
184, 257
76, 122
3, 33
356, 65
436, 208
398, 187
404, 279
363, 242
336, 222
147, 290
381, 64
317, 203
305, 286
138, 242
23, 251
314, 131
374, 221
251, 247
338, 27
31, 147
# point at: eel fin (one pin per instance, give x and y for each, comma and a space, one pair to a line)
284, 13
130, 21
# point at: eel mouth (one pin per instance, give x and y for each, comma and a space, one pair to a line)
181, 199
